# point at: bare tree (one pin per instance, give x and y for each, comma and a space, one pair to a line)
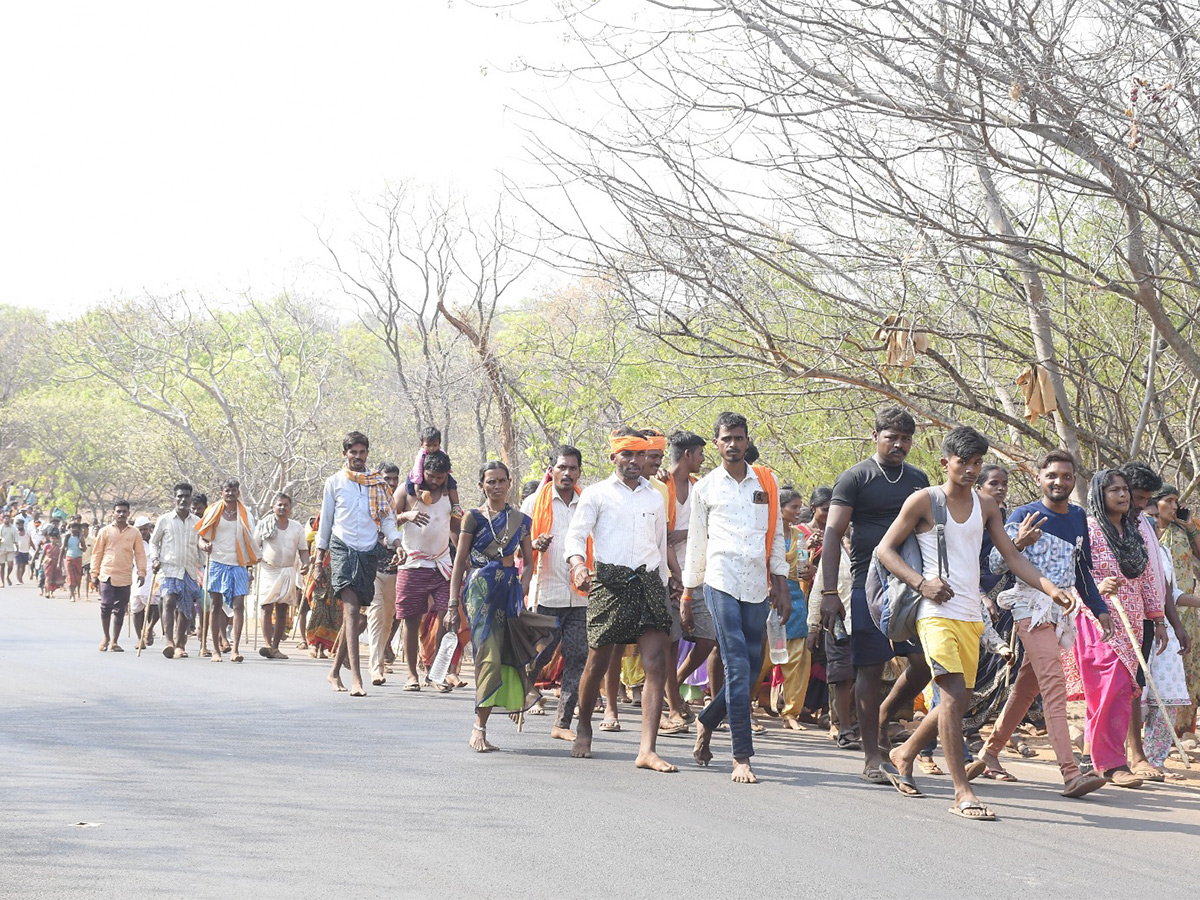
917, 201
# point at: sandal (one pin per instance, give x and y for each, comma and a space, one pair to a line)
875, 775
757, 727
1122, 777
673, 726
1083, 784
1148, 774
998, 774
412, 686
967, 808
848, 742
903, 783
975, 769
610, 725
928, 766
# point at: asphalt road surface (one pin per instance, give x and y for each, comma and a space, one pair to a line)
203, 780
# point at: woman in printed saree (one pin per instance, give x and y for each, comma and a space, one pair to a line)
504, 638
324, 610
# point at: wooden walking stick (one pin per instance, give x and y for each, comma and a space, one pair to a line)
257, 604
206, 606
1137, 648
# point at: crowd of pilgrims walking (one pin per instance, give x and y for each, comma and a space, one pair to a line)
661, 587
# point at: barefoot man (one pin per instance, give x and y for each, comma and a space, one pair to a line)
355, 507
117, 549
627, 593
551, 509
227, 535
284, 555
176, 559
735, 553
950, 615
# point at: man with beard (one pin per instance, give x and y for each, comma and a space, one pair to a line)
866, 500
551, 509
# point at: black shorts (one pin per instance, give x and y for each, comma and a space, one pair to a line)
868, 645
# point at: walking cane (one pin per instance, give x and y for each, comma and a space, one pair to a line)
1137, 648
1012, 648
257, 604
146, 619
206, 606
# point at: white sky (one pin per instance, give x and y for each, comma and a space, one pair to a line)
149, 147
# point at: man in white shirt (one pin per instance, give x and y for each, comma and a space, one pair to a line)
735, 551
355, 507
551, 593
24, 548
284, 549
627, 593
8, 550
176, 559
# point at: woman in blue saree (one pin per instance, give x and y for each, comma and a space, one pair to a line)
504, 638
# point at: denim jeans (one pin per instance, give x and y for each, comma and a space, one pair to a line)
740, 627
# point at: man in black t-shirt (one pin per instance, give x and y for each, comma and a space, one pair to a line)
866, 499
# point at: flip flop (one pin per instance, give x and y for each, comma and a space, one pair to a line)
963, 810
876, 775
1149, 775
181, 654
169, 652
904, 784
848, 742
116, 648
998, 774
757, 727
678, 727
610, 725
928, 766
413, 687
1083, 784
265, 652
975, 769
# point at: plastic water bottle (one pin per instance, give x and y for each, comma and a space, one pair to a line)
441, 662
776, 639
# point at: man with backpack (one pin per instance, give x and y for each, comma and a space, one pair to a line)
948, 522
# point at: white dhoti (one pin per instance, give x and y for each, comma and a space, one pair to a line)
276, 585
146, 595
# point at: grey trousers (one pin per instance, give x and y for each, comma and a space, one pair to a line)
572, 625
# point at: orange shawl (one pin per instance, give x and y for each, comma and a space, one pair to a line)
766, 478
543, 518
207, 528
672, 500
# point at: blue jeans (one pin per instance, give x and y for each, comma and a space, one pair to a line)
740, 627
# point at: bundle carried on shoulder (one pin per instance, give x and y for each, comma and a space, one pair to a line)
892, 603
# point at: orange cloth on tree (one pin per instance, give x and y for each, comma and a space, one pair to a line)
207, 529
1040, 399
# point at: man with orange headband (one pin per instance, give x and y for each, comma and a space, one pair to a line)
627, 591
735, 552
551, 508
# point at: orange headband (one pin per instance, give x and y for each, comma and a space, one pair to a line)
657, 441
630, 442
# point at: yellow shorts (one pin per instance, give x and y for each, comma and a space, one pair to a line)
951, 646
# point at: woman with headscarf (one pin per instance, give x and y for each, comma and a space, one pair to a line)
1180, 537
1108, 669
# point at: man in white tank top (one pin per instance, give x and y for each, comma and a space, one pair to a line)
950, 617
423, 578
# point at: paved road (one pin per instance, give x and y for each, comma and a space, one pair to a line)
211, 780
